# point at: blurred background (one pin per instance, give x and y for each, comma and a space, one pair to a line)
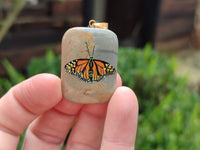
159, 56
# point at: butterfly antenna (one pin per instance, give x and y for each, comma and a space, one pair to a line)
93, 51
87, 48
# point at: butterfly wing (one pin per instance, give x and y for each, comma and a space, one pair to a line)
101, 69
89, 70
79, 68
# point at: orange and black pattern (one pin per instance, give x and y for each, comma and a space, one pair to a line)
89, 70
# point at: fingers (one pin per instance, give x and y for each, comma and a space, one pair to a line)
8, 141
25, 102
50, 129
32, 98
121, 121
88, 130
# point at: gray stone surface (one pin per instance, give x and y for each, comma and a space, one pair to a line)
105, 45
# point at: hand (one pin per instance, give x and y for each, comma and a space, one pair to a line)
38, 104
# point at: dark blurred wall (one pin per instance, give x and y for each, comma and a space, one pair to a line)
88, 10
135, 18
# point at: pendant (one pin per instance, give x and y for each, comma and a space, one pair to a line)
89, 63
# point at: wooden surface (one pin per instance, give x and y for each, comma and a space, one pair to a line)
20, 58
31, 34
176, 21
37, 28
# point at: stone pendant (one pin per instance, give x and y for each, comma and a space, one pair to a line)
89, 64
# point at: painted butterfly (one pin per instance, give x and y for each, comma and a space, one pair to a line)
91, 69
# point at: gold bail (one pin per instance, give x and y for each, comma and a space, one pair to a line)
94, 24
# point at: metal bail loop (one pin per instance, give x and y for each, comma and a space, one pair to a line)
101, 25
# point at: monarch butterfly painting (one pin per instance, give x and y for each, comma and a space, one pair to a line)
89, 70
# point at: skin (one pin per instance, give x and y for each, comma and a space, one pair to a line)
37, 103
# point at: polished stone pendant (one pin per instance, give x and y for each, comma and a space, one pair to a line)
89, 63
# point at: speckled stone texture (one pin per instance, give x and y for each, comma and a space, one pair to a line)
89, 65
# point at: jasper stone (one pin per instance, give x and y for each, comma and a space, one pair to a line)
89, 65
